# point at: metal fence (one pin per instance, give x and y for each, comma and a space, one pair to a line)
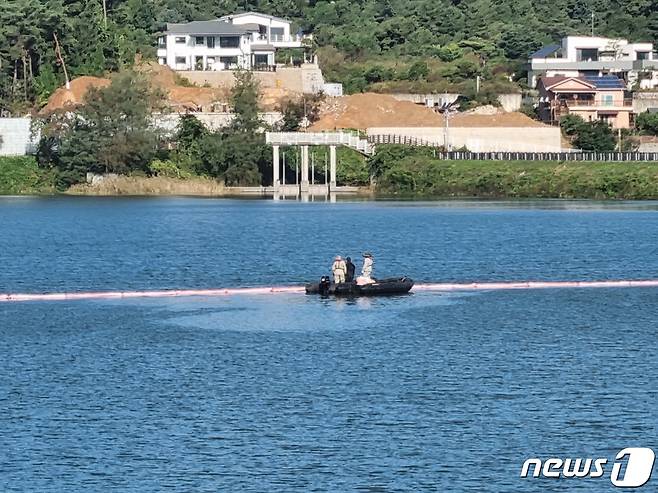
401, 139
567, 155
611, 157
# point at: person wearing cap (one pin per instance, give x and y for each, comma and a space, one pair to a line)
351, 268
366, 271
339, 269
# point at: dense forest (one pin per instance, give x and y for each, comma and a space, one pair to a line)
367, 45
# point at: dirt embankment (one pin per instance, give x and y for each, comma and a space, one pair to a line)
362, 111
74, 95
138, 186
180, 97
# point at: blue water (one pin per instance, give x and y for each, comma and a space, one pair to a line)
428, 392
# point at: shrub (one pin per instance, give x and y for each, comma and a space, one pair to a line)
647, 123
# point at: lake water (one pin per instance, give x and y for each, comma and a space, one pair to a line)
427, 392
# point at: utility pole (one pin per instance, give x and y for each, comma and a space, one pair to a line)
592, 23
283, 175
105, 13
58, 54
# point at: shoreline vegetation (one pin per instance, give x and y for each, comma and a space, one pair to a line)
414, 176
152, 185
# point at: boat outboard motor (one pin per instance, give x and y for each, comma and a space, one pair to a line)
325, 282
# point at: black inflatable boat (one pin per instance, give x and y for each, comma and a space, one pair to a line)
396, 285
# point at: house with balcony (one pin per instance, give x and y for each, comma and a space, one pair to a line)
592, 98
240, 41
586, 56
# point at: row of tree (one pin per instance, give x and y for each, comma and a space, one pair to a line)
117, 131
458, 38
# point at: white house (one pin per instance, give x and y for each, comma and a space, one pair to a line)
586, 56
247, 41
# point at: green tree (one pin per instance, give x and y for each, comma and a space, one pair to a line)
595, 136
647, 123
113, 132
571, 124
419, 70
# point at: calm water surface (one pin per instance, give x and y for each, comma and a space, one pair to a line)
427, 392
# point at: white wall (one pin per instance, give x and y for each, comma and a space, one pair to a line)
16, 136
626, 50
190, 50
484, 139
213, 121
264, 21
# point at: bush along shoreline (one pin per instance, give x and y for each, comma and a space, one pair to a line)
416, 173
20, 175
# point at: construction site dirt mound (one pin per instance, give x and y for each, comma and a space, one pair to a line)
163, 78
64, 98
361, 111
367, 110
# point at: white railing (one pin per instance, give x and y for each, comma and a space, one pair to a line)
347, 139
282, 38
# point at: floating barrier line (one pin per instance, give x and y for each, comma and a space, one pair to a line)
476, 286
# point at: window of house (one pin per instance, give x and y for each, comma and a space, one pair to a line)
607, 100
199, 40
180, 60
277, 33
642, 55
229, 41
162, 41
180, 40
260, 59
229, 61
587, 54
210, 41
162, 60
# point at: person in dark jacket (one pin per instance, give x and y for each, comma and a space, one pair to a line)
349, 276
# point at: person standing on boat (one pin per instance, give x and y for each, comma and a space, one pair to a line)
339, 269
366, 271
351, 268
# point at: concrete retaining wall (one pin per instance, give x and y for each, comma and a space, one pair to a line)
426, 99
484, 139
305, 79
643, 101
212, 121
16, 137
510, 102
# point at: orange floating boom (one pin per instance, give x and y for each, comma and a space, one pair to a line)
476, 286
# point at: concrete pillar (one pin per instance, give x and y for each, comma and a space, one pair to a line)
275, 167
304, 180
332, 168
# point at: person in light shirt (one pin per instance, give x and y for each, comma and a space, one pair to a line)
366, 270
338, 268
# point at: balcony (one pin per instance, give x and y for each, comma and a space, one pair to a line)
283, 41
594, 104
